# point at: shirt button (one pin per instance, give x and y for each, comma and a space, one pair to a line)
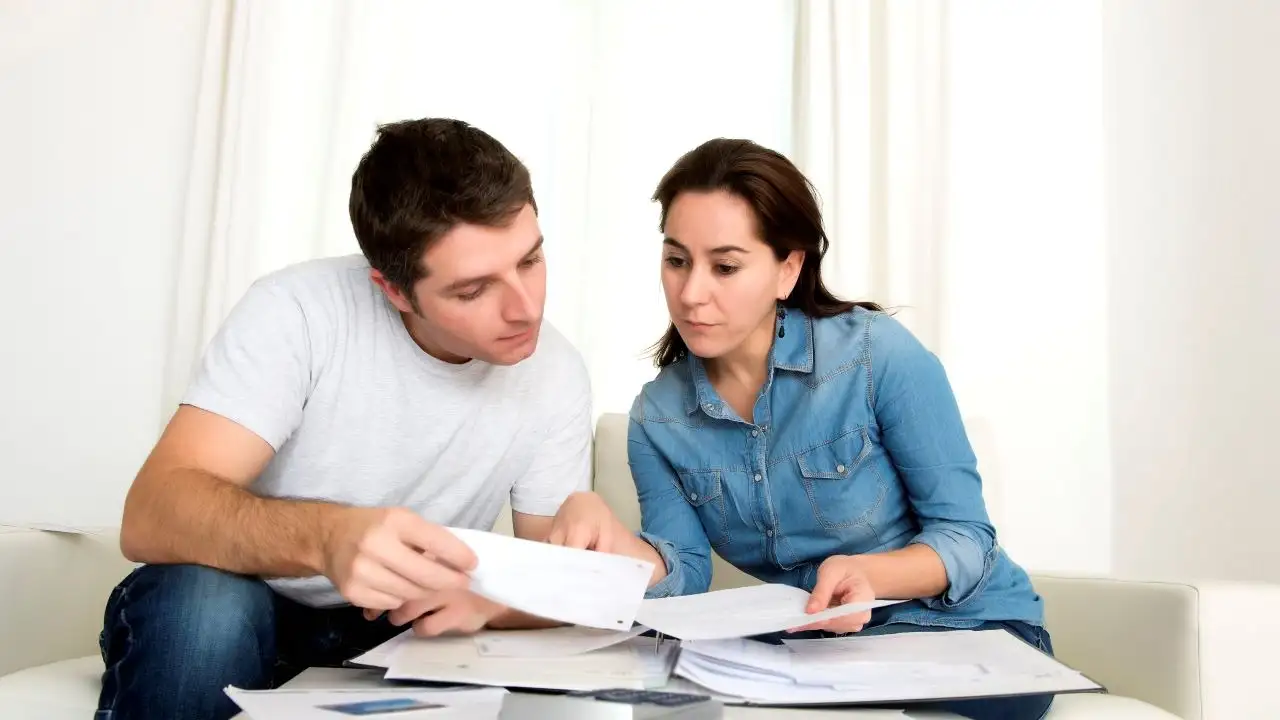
693, 496
769, 533
757, 478
840, 469
707, 407
755, 433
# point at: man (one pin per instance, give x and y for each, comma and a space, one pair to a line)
346, 410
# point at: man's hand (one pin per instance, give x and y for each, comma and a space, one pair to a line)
840, 581
451, 612
586, 522
381, 558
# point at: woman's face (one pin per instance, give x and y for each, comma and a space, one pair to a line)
722, 282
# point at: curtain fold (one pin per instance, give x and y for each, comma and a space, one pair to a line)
869, 112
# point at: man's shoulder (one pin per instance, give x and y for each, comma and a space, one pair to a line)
320, 274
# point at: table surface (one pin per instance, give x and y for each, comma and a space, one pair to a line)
342, 678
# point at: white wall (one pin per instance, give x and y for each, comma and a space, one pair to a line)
98, 108
1194, 226
1025, 290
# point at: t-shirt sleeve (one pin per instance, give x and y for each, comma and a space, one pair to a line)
256, 371
562, 462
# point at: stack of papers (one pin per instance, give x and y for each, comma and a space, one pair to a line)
898, 668
604, 645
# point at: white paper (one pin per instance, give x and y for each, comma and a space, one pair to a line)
738, 612
549, 642
579, 587
63, 529
637, 663
902, 667
380, 657
287, 704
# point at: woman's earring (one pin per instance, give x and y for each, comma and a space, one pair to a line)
782, 321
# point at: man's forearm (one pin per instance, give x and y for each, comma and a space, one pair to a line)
189, 516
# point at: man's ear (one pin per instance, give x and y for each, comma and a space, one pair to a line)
790, 273
392, 291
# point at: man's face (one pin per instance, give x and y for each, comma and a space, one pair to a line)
483, 293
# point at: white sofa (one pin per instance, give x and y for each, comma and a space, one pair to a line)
1198, 651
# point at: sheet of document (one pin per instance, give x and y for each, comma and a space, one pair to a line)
380, 657
738, 612
637, 663
895, 668
549, 642
400, 703
580, 587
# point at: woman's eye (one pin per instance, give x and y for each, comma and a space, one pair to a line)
675, 262
726, 269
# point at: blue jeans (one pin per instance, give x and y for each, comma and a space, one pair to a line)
1024, 707
174, 636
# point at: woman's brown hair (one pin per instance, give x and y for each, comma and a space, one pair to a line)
787, 217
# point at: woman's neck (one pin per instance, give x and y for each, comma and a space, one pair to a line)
746, 367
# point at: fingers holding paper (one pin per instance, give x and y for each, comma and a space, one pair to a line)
380, 558
840, 581
585, 522
446, 612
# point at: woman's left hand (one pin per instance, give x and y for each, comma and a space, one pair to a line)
841, 580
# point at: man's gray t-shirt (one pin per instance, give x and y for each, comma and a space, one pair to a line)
317, 362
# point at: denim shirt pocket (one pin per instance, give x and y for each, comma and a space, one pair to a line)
844, 489
702, 490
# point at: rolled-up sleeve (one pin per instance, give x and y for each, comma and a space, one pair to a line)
667, 521
923, 433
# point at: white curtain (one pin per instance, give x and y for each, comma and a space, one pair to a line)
899, 111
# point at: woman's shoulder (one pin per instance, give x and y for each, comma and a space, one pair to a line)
666, 396
867, 334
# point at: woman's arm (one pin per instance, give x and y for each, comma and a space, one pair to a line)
948, 562
668, 523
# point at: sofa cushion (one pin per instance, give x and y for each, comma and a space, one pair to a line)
1096, 706
64, 690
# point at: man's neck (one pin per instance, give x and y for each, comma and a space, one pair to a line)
417, 329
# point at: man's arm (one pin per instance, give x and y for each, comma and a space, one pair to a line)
190, 504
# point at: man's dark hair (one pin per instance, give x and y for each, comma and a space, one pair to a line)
419, 180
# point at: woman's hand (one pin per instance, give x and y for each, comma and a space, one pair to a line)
841, 580
586, 522
451, 612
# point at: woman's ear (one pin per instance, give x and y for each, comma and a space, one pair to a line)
790, 273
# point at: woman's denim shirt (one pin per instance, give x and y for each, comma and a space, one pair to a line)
857, 446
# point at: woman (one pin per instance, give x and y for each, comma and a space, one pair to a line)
808, 440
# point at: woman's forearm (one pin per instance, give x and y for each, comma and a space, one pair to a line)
635, 547
915, 571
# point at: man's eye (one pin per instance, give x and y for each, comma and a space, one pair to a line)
466, 297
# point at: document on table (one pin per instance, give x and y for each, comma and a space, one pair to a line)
738, 612
549, 642
313, 704
380, 657
897, 668
574, 586
637, 663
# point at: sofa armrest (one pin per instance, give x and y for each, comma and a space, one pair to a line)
1199, 650
55, 588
